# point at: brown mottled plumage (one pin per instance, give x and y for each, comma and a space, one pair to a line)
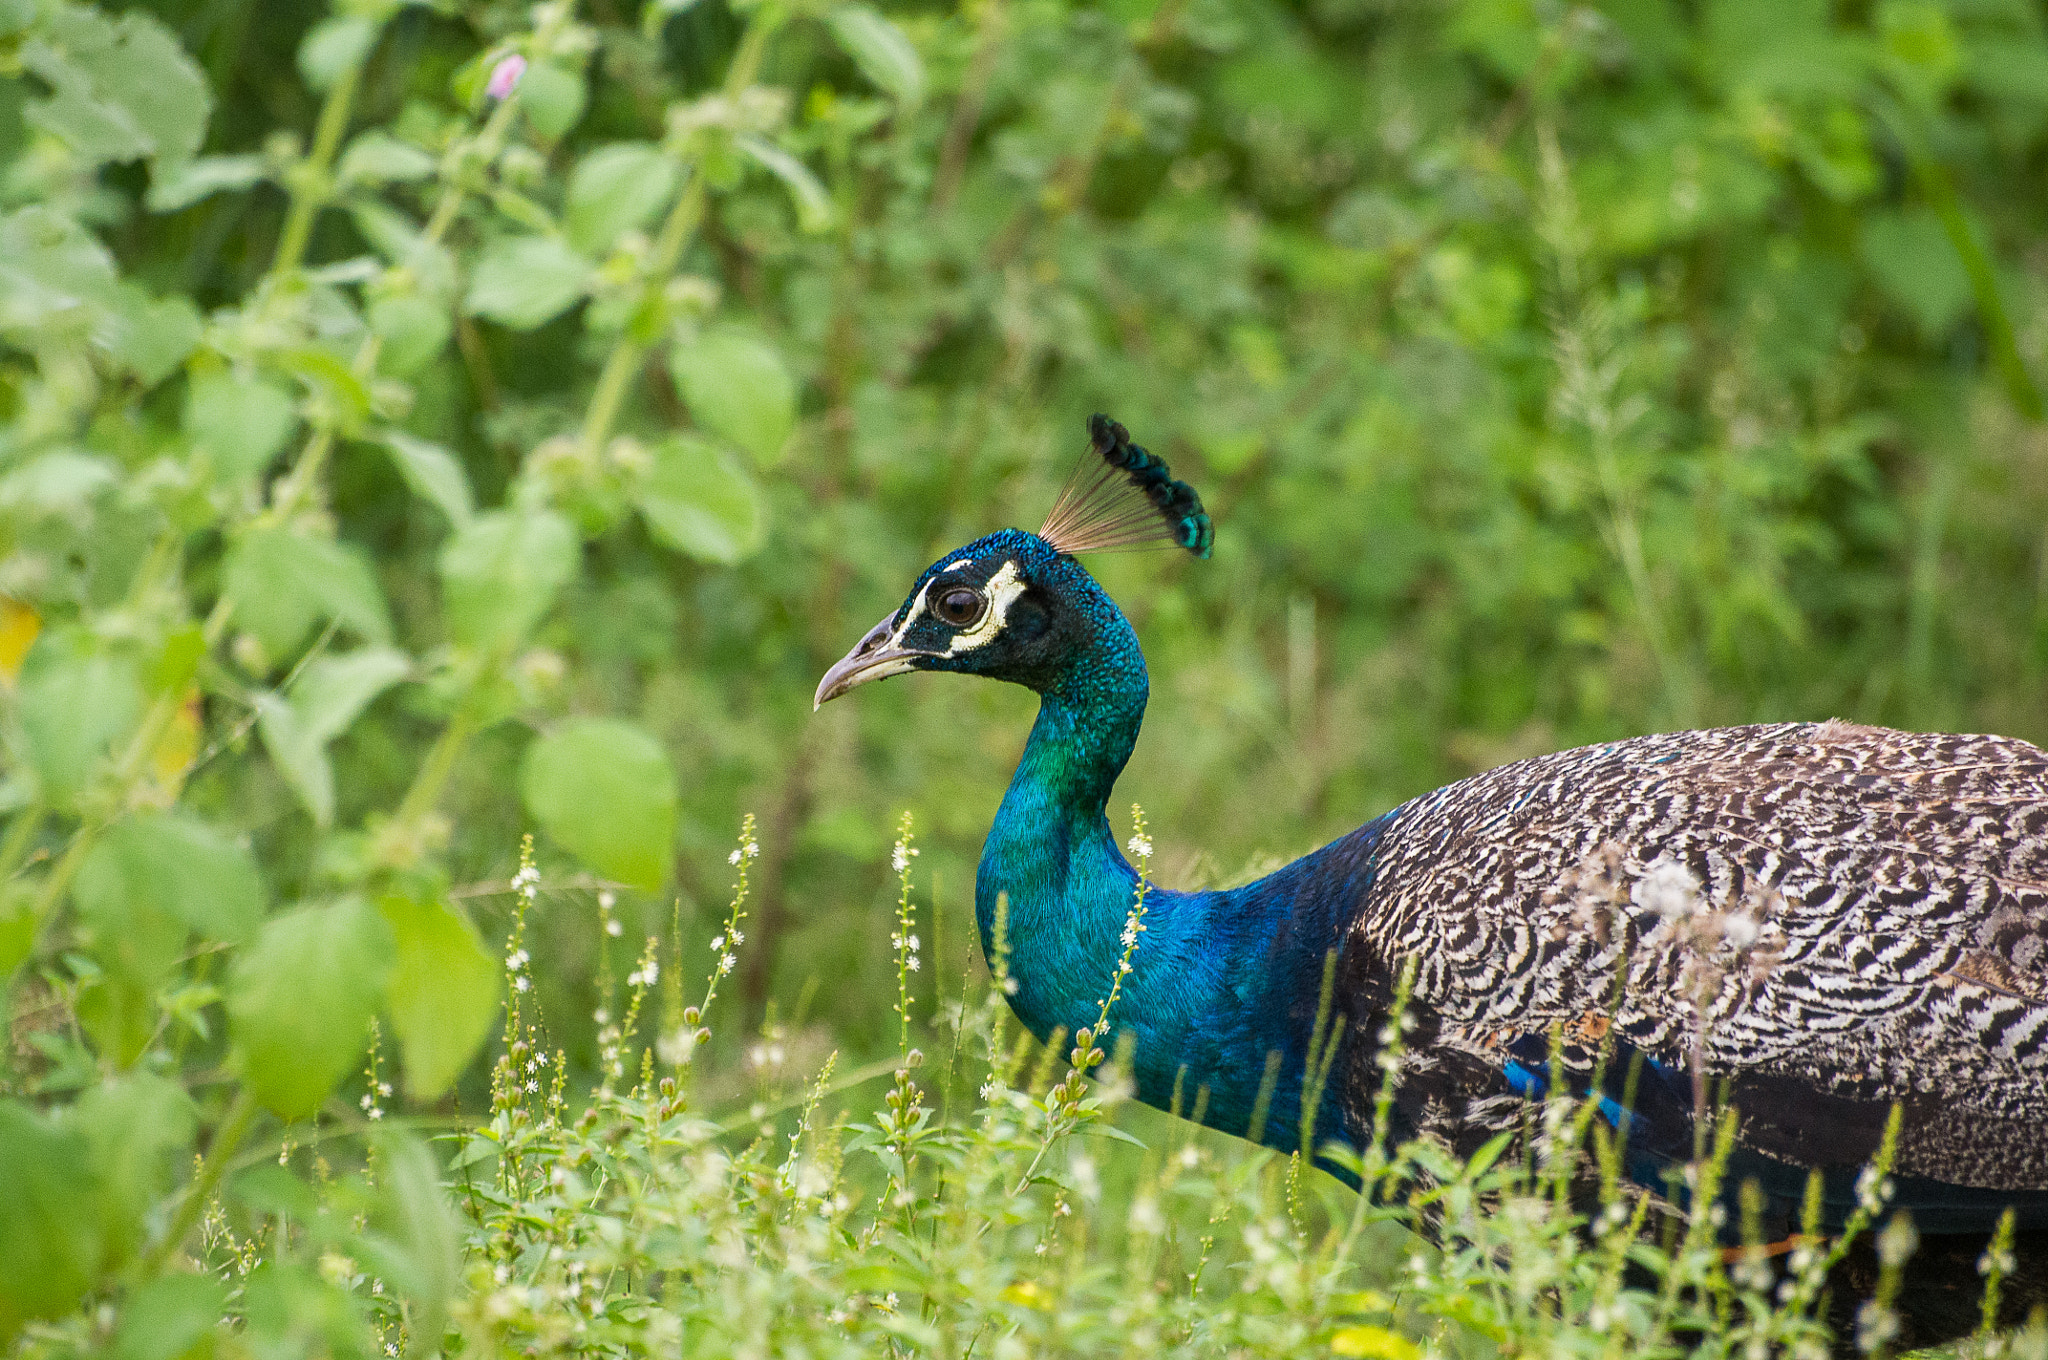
1867, 924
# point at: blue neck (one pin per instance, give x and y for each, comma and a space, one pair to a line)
1221, 979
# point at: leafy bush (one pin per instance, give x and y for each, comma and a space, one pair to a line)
419, 423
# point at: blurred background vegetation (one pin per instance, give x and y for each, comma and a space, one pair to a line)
425, 423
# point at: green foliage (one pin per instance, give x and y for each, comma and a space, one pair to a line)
422, 422
605, 791
301, 1000
737, 389
443, 994
54, 1248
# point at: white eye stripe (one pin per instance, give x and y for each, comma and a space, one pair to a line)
916, 608
1002, 592
963, 562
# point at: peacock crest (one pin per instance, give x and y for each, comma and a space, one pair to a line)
1122, 496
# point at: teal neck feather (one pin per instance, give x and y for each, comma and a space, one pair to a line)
1219, 978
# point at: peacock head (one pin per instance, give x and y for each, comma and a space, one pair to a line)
1016, 606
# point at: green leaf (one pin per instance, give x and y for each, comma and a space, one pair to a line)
118, 1010
501, 572
53, 275
17, 923
659, 12
52, 1250
150, 336
414, 1241
331, 378
604, 790
138, 1131
120, 90
523, 281
290, 1310
163, 875
300, 759
552, 97
334, 46
414, 330
166, 1318
884, 55
737, 389
327, 698
400, 241
1373, 1343
433, 473
76, 703
334, 689
443, 995
59, 483
301, 1000
615, 189
1917, 267
283, 582
813, 204
196, 179
237, 422
699, 500
377, 157
273, 1190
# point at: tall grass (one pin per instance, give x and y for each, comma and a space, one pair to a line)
964, 1198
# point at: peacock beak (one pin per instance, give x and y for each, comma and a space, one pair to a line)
871, 659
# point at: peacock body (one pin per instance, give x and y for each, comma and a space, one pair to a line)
1816, 920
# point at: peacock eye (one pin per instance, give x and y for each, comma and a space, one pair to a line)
960, 607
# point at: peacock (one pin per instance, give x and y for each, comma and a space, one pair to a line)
1818, 920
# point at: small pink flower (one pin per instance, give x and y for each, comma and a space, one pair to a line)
505, 76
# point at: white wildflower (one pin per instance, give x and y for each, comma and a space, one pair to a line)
1872, 1189
1668, 890
725, 963
607, 899
1141, 846
613, 928
1899, 1240
733, 858
522, 983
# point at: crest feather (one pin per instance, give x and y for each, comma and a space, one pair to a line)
1124, 497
